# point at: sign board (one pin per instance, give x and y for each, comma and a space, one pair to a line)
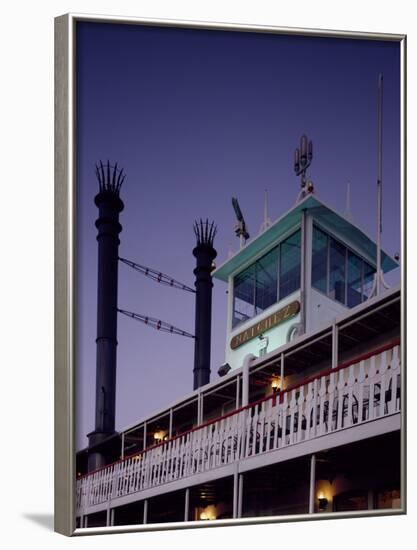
269, 322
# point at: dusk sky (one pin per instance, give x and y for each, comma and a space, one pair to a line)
195, 117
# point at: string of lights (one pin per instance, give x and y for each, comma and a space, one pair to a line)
156, 323
157, 276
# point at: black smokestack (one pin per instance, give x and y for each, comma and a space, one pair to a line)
109, 206
205, 254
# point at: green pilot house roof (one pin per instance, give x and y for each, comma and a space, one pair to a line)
320, 212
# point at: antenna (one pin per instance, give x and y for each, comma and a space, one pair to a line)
267, 220
379, 277
348, 212
302, 160
240, 227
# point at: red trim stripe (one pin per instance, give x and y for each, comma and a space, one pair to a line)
303, 382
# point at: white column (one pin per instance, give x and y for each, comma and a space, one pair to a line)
282, 372
122, 455
303, 270
144, 435
237, 390
312, 484
187, 504
240, 497
245, 378
335, 345
145, 511
200, 404
235, 494
170, 423
112, 517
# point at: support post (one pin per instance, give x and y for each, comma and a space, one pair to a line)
187, 504
282, 373
245, 378
145, 511
303, 271
144, 435
335, 345
235, 494
312, 484
122, 454
170, 423
240, 497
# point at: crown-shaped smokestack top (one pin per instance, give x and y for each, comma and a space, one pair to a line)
110, 178
205, 232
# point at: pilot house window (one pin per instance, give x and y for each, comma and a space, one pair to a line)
339, 272
270, 279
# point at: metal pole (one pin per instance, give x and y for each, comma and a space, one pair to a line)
282, 372
187, 504
303, 272
122, 455
379, 190
170, 423
335, 345
240, 497
144, 435
312, 484
245, 378
237, 391
145, 511
235, 494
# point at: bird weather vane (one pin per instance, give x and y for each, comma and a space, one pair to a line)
302, 159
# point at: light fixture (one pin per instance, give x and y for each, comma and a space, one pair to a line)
159, 436
224, 369
323, 501
203, 515
276, 383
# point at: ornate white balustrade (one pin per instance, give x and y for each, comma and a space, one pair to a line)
341, 398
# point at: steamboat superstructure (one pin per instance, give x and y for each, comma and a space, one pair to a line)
305, 417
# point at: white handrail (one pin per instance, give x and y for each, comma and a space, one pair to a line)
339, 399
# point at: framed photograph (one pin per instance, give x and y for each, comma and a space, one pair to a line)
230, 274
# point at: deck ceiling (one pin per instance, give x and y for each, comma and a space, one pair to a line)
384, 320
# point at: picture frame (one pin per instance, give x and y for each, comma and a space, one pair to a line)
66, 251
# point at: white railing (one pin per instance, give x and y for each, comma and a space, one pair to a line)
346, 396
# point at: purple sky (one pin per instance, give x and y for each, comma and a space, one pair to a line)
196, 117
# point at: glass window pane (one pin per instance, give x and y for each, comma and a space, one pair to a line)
354, 280
368, 280
290, 265
319, 260
337, 270
244, 295
266, 280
